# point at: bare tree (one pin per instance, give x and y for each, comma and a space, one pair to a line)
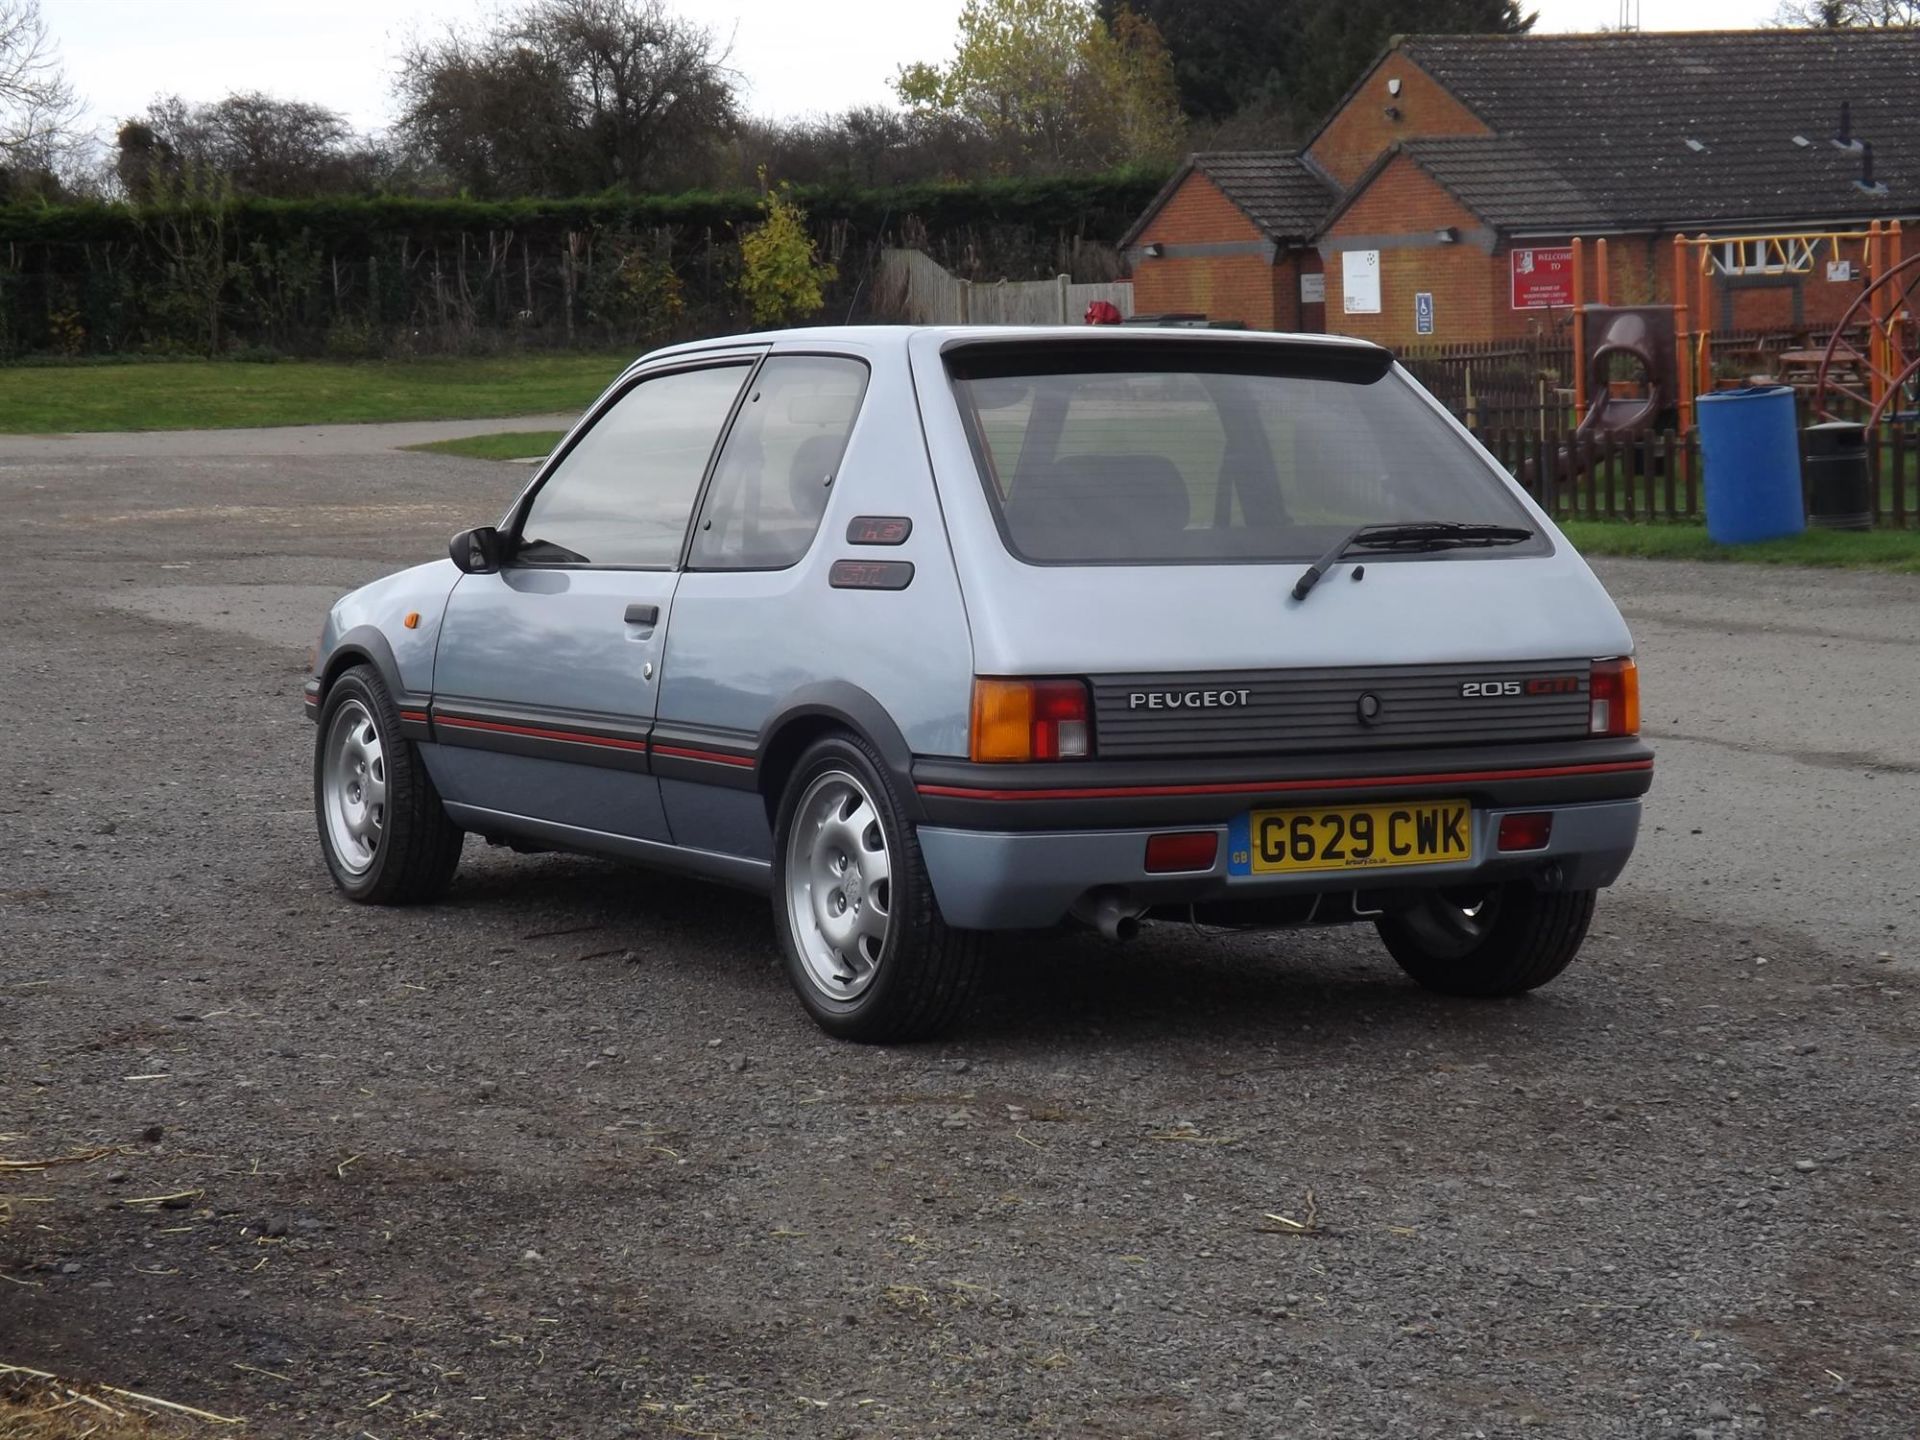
280, 149
1849, 14
568, 96
868, 145
38, 109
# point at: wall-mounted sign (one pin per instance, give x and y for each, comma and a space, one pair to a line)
1313, 289
1360, 281
1838, 270
1423, 313
1542, 279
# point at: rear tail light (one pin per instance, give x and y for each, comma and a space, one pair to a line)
1615, 695
1182, 851
1030, 720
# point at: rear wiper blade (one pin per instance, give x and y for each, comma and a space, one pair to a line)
1411, 536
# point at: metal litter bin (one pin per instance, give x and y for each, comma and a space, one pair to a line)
1839, 487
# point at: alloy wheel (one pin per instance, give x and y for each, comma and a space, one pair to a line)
839, 885
353, 781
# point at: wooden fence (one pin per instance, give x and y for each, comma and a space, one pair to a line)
1658, 475
1514, 396
912, 286
1493, 383
1483, 380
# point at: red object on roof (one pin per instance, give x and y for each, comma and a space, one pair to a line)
1103, 312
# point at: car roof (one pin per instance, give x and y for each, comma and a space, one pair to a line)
899, 337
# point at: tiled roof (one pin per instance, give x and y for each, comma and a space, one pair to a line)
1612, 117
1277, 189
1502, 181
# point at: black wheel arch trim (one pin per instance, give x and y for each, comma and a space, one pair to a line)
364, 644
846, 706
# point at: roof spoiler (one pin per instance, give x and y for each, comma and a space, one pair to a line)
1117, 351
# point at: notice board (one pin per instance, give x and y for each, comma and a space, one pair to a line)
1542, 278
1360, 281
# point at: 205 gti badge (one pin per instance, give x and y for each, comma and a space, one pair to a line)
1504, 689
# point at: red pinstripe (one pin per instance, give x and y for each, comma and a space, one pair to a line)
573, 737
744, 762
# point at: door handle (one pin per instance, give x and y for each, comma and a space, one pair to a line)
643, 614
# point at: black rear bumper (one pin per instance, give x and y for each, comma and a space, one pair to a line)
1098, 794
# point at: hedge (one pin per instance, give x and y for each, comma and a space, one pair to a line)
372, 275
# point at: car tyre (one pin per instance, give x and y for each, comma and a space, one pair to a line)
383, 827
865, 947
1485, 943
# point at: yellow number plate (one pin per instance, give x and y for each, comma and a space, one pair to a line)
1351, 837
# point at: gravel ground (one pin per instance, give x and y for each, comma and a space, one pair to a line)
563, 1157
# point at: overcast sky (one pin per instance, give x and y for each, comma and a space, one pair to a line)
797, 57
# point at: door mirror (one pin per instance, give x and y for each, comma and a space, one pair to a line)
478, 551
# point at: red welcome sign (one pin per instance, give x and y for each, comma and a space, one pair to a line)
1542, 278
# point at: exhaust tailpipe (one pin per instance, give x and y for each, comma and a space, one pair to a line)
1111, 913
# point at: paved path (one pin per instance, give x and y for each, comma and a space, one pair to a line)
306, 441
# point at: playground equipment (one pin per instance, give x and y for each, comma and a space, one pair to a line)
1644, 337
1863, 372
1879, 376
1605, 334
1870, 379
1892, 361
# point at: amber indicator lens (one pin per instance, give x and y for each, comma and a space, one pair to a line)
1030, 720
879, 530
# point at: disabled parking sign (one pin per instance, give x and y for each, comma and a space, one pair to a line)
1423, 313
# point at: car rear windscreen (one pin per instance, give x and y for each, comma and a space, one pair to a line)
1172, 454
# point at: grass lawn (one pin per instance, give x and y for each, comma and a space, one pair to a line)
505, 445
1895, 550
220, 394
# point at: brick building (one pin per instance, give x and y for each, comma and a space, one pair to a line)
1436, 203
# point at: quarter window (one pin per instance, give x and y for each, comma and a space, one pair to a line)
771, 485
623, 494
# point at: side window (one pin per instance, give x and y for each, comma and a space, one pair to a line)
622, 495
771, 485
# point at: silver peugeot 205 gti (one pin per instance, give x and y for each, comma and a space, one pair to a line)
930, 633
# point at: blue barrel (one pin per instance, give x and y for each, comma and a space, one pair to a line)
1752, 455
